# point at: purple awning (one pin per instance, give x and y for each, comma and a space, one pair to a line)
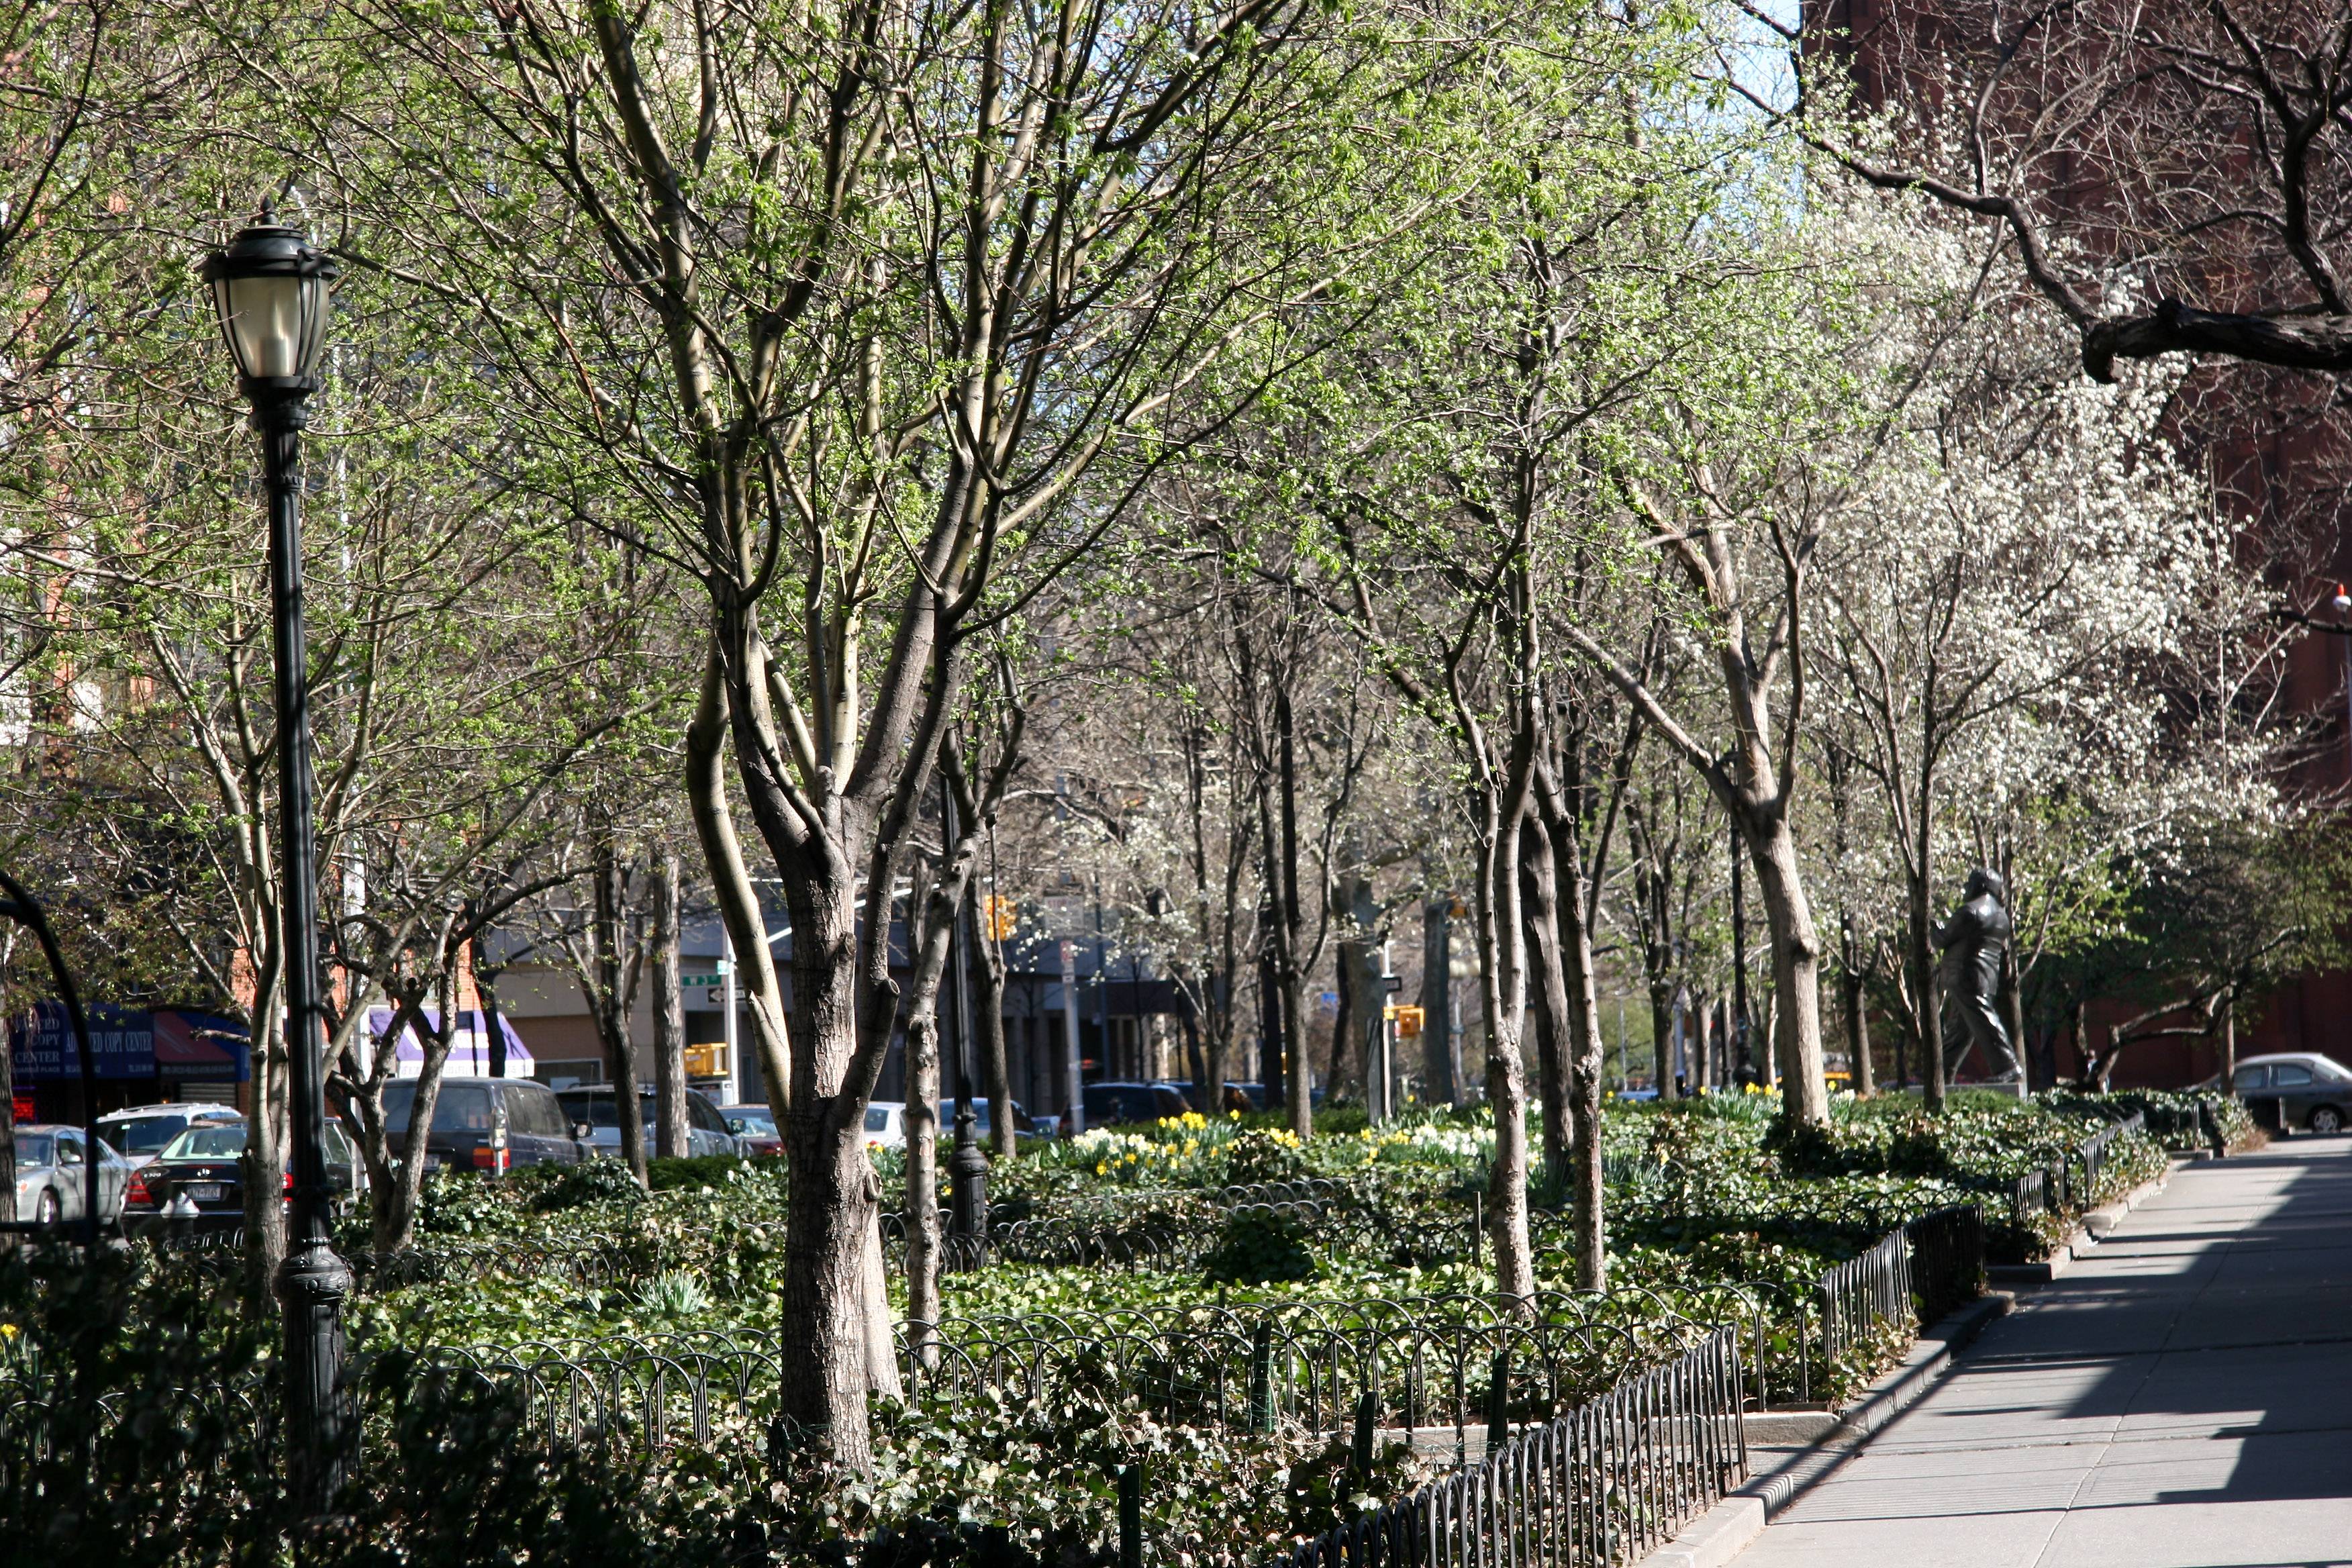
469, 1052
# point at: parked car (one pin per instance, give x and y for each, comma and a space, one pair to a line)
754, 1127
53, 1175
1243, 1096
206, 1165
2312, 1090
1111, 1104
490, 1124
886, 1122
140, 1133
593, 1105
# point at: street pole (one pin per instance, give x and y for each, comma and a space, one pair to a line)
270, 289
312, 1281
727, 1001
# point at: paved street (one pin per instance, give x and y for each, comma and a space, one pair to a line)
2181, 1400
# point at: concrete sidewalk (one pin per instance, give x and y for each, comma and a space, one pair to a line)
2182, 1399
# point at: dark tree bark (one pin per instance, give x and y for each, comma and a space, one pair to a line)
1857, 1018
1548, 999
1440, 1082
612, 972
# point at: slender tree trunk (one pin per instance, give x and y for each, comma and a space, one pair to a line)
2012, 1016
1586, 1053
397, 1187
1004, 1141
1299, 1070
671, 1138
1796, 969
923, 1173
1343, 1077
739, 902
614, 985
1927, 1020
1502, 944
1439, 1083
1548, 992
264, 1165
1857, 1021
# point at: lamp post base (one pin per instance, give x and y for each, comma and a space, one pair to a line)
311, 1286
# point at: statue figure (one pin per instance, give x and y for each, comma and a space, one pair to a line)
1973, 941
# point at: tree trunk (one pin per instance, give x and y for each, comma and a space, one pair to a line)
1926, 1021
922, 1174
264, 1161
730, 879
1857, 1022
1273, 1047
671, 1138
1343, 1075
1439, 1085
1796, 969
1004, 1141
1586, 1051
397, 1185
1539, 902
1502, 950
1299, 1072
614, 985
2012, 1018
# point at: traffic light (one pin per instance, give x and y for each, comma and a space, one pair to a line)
998, 916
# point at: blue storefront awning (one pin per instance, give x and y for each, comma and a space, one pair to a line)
129, 1043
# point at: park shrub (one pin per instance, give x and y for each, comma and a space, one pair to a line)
700, 1170
1261, 1246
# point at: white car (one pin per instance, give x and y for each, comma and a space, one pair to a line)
141, 1132
886, 1122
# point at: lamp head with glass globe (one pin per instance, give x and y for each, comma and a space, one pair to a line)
271, 289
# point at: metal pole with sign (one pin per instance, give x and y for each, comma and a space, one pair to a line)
727, 1022
1073, 1111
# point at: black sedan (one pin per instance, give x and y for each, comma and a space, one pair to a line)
200, 1177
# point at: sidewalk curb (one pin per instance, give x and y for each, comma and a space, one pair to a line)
2094, 1228
1725, 1531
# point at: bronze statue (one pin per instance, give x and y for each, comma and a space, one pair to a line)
1973, 941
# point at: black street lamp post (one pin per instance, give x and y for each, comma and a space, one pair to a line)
270, 288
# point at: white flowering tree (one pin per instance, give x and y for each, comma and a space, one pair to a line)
2011, 586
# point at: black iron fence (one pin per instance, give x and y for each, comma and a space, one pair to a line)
2070, 1185
1603, 1483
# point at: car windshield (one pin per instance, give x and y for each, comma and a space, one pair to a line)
599, 1109
759, 1124
34, 1149
144, 1134
877, 1118
207, 1144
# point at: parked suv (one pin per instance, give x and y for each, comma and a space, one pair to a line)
705, 1129
490, 1124
2312, 1090
1110, 1104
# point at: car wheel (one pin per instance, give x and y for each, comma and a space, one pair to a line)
46, 1218
2328, 1118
